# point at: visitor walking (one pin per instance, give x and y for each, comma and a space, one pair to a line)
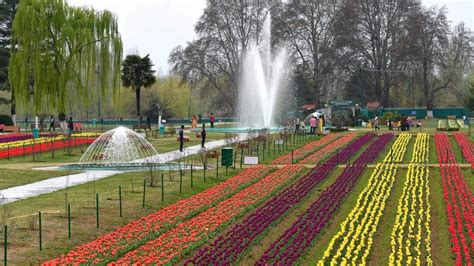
51, 124
193, 122
312, 124
375, 123
70, 126
297, 125
181, 138
320, 125
403, 123
212, 119
203, 135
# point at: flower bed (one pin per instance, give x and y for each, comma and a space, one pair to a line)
122, 240
410, 238
466, 146
329, 149
29, 141
172, 243
86, 134
43, 146
307, 149
14, 137
459, 200
353, 242
226, 248
298, 237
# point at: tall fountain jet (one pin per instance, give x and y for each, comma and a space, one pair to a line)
261, 77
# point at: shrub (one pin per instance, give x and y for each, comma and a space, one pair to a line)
6, 120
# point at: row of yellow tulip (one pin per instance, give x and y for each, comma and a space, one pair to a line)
26, 142
353, 242
86, 134
410, 239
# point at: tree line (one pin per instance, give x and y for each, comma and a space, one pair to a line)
395, 52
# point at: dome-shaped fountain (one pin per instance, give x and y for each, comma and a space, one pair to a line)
117, 147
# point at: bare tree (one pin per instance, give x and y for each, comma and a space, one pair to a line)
225, 29
371, 36
307, 25
441, 55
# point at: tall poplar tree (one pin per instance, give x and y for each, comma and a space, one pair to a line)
57, 48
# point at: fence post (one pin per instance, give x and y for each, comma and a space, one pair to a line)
97, 208
68, 221
144, 192
274, 147
217, 167
205, 167
120, 200
180, 181
52, 148
40, 232
162, 188
191, 175
235, 157
241, 157
5, 246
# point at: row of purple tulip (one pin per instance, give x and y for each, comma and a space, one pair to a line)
298, 237
18, 137
226, 248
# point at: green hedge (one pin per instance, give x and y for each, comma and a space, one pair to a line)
6, 120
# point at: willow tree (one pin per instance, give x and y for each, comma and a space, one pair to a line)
58, 48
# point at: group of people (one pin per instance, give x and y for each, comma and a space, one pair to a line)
202, 133
66, 124
316, 123
181, 137
195, 120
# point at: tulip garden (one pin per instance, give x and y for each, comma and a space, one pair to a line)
395, 198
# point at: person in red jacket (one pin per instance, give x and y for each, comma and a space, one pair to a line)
212, 119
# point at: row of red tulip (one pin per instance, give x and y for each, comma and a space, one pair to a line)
329, 149
459, 202
307, 149
43, 147
466, 146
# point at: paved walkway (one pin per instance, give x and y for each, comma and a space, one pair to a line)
53, 184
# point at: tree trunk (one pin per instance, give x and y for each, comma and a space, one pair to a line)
386, 91
137, 96
426, 88
13, 109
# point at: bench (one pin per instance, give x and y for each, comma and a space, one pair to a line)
4, 128
142, 126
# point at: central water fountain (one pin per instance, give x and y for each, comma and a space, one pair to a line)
118, 147
261, 80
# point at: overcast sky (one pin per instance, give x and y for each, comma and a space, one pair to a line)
155, 27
